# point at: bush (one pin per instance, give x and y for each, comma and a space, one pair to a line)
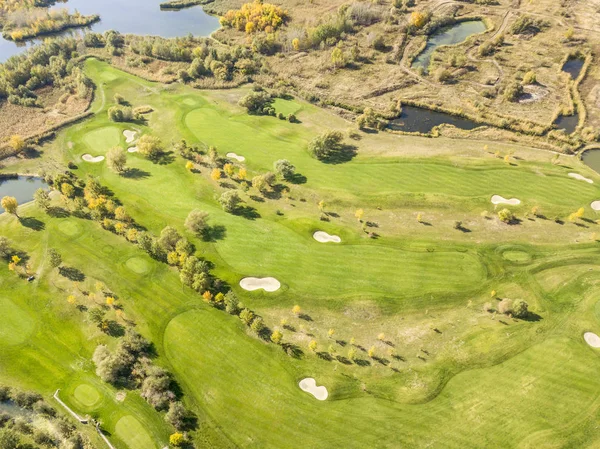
257, 103
284, 168
326, 145
120, 114
230, 201
529, 77
520, 308
513, 91
506, 216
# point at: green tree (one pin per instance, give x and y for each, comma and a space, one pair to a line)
326, 145
42, 199
54, 258
247, 316
116, 159
258, 325
150, 146
337, 57
506, 216
520, 308
196, 221
230, 201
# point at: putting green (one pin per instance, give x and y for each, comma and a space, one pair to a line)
516, 256
17, 324
87, 395
100, 140
69, 228
133, 434
190, 102
138, 265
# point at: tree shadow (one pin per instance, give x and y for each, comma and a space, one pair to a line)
258, 199
342, 343
532, 317
305, 317
58, 212
72, 274
114, 329
32, 223
296, 178
164, 158
292, 350
362, 362
214, 233
345, 153
248, 212
344, 360
136, 173
324, 356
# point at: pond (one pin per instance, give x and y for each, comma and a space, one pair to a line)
452, 35
567, 122
591, 158
415, 119
573, 67
21, 187
143, 17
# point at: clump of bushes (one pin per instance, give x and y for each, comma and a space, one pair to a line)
259, 103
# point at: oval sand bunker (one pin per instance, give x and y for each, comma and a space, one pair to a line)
592, 339
132, 150
581, 178
268, 284
497, 199
237, 157
92, 159
310, 386
323, 237
595, 205
129, 136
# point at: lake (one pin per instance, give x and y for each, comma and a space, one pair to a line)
591, 158
21, 187
415, 119
452, 35
143, 17
573, 67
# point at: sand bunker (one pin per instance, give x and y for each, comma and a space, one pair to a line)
90, 158
323, 237
129, 135
267, 284
581, 178
132, 150
595, 205
592, 339
497, 199
236, 157
310, 386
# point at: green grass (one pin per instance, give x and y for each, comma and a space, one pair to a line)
463, 373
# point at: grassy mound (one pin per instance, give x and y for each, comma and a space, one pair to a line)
87, 395
138, 265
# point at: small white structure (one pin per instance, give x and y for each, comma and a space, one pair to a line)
581, 178
237, 157
323, 237
592, 339
92, 159
310, 386
268, 284
497, 199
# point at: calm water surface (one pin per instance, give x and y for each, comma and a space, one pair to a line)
414, 119
21, 187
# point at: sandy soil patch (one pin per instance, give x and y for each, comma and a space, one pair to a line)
268, 284
323, 237
581, 178
592, 339
310, 386
129, 135
595, 205
132, 150
497, 199
120, 396
237, 157
90, 158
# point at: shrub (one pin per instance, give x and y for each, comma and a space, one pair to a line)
284, 168
529, 77
520, 308
513, 91
230, 201
257, 103
506, 216
326, 145
120, 114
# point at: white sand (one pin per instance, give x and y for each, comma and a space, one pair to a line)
323, 237
592, 339
268, 284
310, 386
132, 150
497, 199
236, 157
581, 178
595, 205
129, 135
90, 158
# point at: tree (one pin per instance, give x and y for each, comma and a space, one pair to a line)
5, 249
150, 146
418, 19
312, 345
247, 316
67, 190
231, 303
17, 143
257, 103
258, 325
10, 205
359, 214
520, 308
506, 216
371, 352
196, 221
330, 333
529, 77
189, 165
228, 169
116, 159
177, 439
296, 310
326, 145
230, 201
296, 44
42, 199
284, 168
54, 258
242, 173
276, 337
